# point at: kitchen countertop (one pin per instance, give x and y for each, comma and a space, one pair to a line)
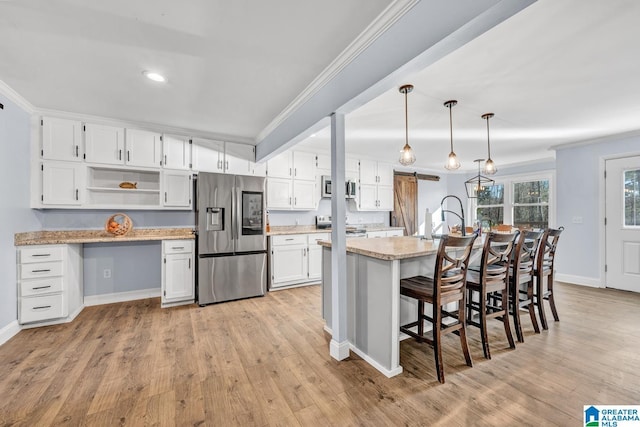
45, 237
281, 230
393, 248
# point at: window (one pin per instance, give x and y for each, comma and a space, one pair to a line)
523, 201
490, 205
531, 204
632, 198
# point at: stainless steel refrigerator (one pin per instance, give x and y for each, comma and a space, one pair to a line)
232, 243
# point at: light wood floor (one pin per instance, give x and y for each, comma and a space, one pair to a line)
265, 361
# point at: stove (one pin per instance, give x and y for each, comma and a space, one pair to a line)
323, 222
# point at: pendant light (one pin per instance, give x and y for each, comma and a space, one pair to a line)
452, 161
407, 156
478, 183
489, 166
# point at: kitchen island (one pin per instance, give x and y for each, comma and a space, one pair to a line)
375, 308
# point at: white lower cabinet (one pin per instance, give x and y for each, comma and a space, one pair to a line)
178, 278
296, 259
384, 233
49, 284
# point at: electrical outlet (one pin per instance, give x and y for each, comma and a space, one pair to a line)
107, 273
576, 220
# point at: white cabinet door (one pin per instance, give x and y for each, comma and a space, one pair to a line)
351, 169
304, 195
61, 139
143, 148
324, 162
62, 183
207, 155
376, 234
385, 174
392, 233
304, 166
368, 172
385, 198
368, 197
281, 166
238, 158
177, 188
104, 144
315, 262
288, 264
177, 273
258, 169
279, 193
176, 152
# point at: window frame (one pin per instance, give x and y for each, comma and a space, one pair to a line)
508, 203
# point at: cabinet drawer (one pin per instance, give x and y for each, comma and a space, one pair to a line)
40, 286
40, 254
177, 246
291, 239
40, 269
315, 238
35, 309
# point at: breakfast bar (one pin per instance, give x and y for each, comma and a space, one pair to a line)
374, 304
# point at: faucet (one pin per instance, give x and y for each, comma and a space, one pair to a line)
461, 216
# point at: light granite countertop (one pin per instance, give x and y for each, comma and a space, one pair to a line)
280, 230
45, 237
393, 248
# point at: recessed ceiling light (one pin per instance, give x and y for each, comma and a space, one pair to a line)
154, 76
313, 135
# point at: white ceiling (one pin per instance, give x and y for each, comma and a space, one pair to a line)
559, 71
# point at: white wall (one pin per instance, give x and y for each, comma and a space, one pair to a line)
15, 214
578, 178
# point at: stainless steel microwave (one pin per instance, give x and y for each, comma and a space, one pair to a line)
350, 187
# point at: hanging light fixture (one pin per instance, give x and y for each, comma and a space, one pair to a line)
489, 166
407, 156
478, 183
452, 161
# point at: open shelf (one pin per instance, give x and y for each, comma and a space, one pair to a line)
103, 187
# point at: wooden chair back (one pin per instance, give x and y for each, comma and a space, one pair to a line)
547, 249
524, 256
452, 262
496, 257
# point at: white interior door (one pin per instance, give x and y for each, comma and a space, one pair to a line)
622, 207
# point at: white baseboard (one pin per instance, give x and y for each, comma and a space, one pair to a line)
339, 350
121, 297
9, 331
579, 280
386, 372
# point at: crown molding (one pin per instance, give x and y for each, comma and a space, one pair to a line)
590, 141
385, 20
154, 127
16, 98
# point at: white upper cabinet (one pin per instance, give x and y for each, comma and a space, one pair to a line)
291, 182
62, 183
259, 169
107, 145
304, 166
238, 158
208, 155
104, 144
280, 166
176, 152
177, 188
376, 186
61, 139
143, 148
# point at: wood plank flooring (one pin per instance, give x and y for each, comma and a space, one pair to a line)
265, 362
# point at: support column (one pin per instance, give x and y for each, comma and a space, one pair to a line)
339, 346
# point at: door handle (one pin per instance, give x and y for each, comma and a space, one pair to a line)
42, 307
41, 270
165, 160
165, 197
226, 165
119, 154
76, 151
38, 255
128, 155
41, 287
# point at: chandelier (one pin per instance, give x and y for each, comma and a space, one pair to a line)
478, 183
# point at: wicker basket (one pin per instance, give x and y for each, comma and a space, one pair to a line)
124, 224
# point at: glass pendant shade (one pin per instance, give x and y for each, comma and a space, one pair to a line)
407, 156
489, 166
452, 161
